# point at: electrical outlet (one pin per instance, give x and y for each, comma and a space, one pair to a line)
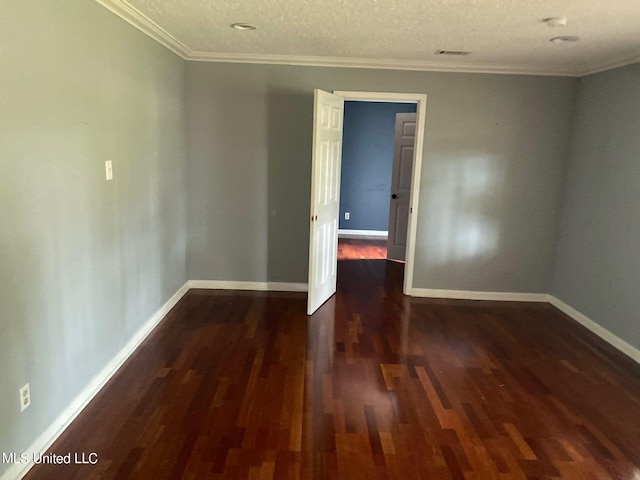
25, 397
346, 215
108, 166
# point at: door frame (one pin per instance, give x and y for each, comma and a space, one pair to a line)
420, 99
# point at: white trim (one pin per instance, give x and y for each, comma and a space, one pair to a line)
240, 285
609, 65
147, 26
363, 233
395, 97
51, 434
615, 341
379, 64
475, 295
420, 99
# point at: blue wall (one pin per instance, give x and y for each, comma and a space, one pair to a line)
367, 158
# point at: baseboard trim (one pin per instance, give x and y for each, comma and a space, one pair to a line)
611, 338
51, 434
362, 233
257, 286
474, 295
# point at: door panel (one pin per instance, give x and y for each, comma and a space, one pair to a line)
402, 222
403, 153
406, 167
325, 197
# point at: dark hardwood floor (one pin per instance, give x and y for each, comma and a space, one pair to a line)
375, 385
362, 249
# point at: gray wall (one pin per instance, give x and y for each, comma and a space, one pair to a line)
493, 168
367, 161
597, 269
83, 262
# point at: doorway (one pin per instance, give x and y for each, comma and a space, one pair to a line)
420, 101
327, 139
375, 182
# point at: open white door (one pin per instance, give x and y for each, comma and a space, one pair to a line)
403, 153
325, 197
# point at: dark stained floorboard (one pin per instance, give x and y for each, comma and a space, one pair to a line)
375, 385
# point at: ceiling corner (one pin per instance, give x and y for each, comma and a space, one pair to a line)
146, 26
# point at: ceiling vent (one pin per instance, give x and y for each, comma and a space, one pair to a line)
455, 53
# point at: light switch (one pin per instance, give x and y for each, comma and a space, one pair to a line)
108, 165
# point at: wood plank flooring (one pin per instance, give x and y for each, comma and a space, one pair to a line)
375, 385
362, 249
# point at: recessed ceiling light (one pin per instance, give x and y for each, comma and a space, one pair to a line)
565, 39
243, 26
555, 21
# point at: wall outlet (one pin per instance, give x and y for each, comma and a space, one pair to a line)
346, 215
25, 397
108, 166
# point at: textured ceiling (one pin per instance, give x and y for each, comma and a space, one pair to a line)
504, 35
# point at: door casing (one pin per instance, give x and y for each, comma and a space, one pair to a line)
420, 99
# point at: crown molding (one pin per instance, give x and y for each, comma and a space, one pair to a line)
147, 26
378, 64
609, 65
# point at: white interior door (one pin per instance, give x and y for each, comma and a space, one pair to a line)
403, 153
328, 113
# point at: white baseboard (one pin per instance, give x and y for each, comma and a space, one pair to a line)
473, 295
615, 341
51, 434
362, 233
258, 286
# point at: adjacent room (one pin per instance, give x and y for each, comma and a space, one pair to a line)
377, 148
181, 185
